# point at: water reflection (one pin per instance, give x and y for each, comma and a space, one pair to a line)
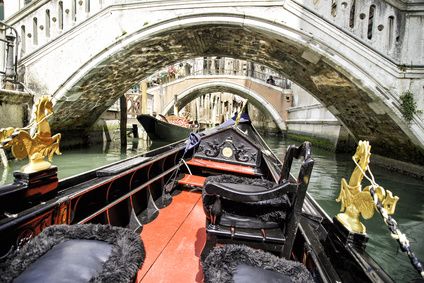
325, 185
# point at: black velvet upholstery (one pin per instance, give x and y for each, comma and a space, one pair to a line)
236, 262
79, 260
246, 273
257, 212
120, 253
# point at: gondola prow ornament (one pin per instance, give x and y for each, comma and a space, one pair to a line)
356, 201
35, 146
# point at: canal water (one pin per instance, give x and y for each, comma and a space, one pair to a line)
324, 187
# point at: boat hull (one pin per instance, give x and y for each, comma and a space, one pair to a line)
162, 131
138, 193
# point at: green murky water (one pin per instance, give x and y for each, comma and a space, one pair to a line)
324, 187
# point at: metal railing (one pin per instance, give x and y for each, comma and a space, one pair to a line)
164, 77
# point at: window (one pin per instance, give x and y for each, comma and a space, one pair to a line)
23, 40
333, 8
87, 6
370, 21
47, 23
1, 10
35, 31
60, 15
390, 31
352, 15
74, 10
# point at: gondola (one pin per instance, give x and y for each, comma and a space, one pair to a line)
163, 130
215, 207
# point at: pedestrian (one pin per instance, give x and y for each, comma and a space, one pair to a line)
187, 68
180, 71
171, 72
270, 80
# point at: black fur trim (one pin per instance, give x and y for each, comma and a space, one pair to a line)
221, 263
126, 258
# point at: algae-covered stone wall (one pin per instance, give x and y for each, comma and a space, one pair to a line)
14, 108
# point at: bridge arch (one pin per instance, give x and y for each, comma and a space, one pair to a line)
256, 99
350, 91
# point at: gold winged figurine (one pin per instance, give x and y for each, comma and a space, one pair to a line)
37, 146
356, 201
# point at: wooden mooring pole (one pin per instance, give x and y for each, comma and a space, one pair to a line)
123, 122
144, 97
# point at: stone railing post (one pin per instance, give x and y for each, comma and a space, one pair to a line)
10, 73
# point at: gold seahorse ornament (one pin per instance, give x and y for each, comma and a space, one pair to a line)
356, 201
37, 146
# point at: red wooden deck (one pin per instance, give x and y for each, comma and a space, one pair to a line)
192, 180
174, 241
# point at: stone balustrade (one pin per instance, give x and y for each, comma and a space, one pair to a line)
392, 28
42, 21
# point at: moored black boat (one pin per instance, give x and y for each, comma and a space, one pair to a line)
159, 130
249, 197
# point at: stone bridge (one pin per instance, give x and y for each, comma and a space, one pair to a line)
355, 57
267, 98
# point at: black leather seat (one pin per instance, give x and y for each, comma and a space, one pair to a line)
244, 209
241, 264
241, 202
76, 253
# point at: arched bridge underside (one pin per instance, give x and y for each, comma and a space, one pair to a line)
125, 43
268, 99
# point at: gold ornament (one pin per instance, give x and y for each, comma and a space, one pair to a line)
37, 146
356, 201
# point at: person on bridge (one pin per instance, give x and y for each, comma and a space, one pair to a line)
180, 71
187, 68
270, 80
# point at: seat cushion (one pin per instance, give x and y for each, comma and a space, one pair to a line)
69, 261
225, 264
245, 273
240, 221
268, 213
119, 252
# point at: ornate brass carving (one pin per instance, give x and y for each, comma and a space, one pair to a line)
36, 146
356, 201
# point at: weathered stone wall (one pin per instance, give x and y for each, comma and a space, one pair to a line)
263, 122
14, 108
308, 117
